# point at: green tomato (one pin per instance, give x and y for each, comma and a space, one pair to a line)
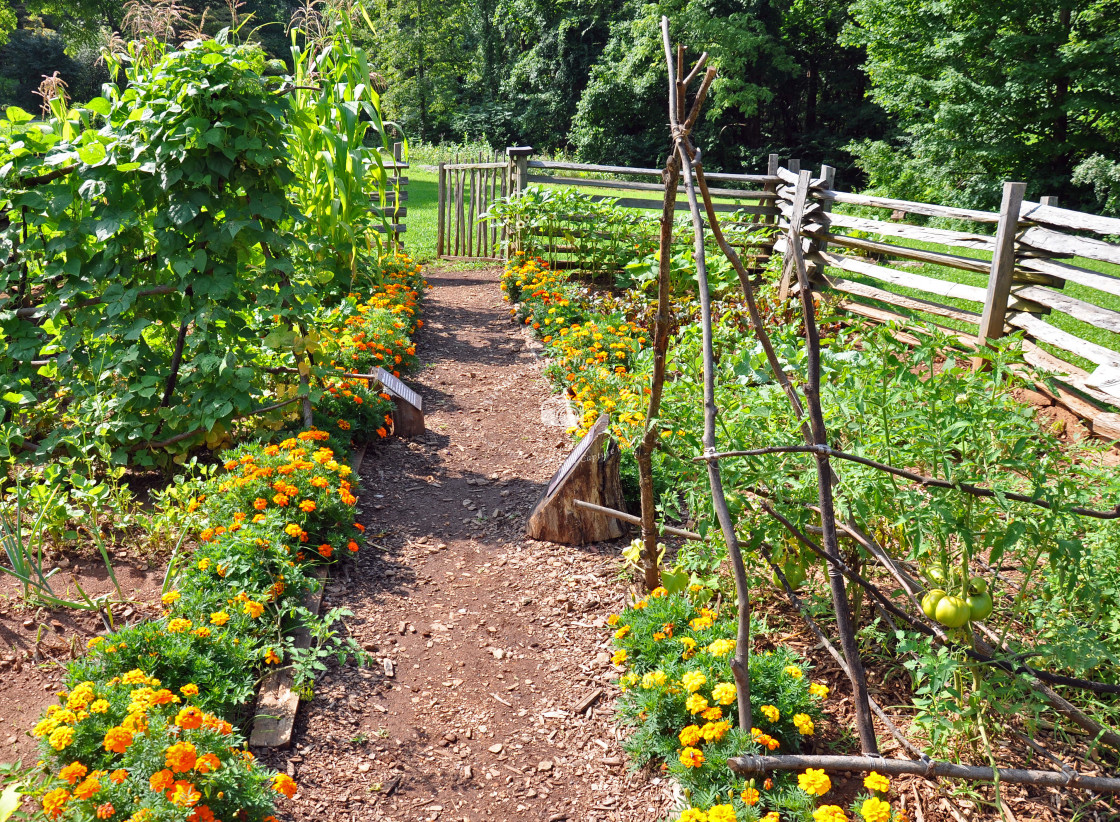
980, 605
930, 600
795, 575
978, 585
952, 611
936, 575
735, 503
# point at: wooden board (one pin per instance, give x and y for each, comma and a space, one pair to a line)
922, 233
882, 316
1078, 309
1075, 274
1067, 218
408, 415
645, 172
627, 186
656, 205
1059, 243
591, 474
925, 209
918, 254
1047, 333
906, 279
913, 303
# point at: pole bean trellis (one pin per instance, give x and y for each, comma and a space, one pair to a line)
806, 403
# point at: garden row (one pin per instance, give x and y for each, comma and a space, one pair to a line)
888, 402
150, 726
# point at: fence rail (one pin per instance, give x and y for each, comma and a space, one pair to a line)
1037, 248
390, 207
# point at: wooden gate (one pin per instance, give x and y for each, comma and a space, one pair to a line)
466, 192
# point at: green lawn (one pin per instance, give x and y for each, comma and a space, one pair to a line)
420, 237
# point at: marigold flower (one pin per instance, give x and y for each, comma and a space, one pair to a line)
73, 772
721, 647
750, 796
260, 503
178, 626
724, 693
117, 740
876, 782
794, 671
170, 598
106, 810
814, 781
721, 813
271, 658
61, 737
693, 681
714, 731
696, 703
207, 763
689, 735
712, 714
692, 757
829, 813
804, 724
693, 815
184, 794
622, 632
875, 810
770, 712
282, 783
771, 817
351, 546
817, 689
189, 718
118, 776
219, 618
190, 689
54, 801
307, 506
360, 527
619, 657
87, 788
254, 609
161, 780
281, 499
181, 757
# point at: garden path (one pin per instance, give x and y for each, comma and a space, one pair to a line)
492, 639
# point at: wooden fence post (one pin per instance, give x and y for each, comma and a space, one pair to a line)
518, 167
816, 271
1003, 267
441, 200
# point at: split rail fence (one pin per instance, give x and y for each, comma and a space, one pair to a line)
999, 272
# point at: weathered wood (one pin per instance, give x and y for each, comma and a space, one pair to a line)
1042, 330
655, 205
633, 520
881, 316
408, 406
796, 223
643, 172
390, 212
1002, 268
391, 228
912, 303
1051, 215
1078, 309
922, 233
591, 474
906, 279
1058, 243
627, 186
1075, 274
790, 176
925, 209
519, 167
441, 198
889, 249
470, 165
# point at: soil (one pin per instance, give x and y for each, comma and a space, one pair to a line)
36, 643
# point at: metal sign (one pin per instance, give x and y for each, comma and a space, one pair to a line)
578, 453
399, 389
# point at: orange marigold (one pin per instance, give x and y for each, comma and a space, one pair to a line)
189, 718
117, 740
260, 503
207, 763
54, 801
87, 788
73, 772
184, 794
106, 810
161, 780
282, 783
181, 757
118, 776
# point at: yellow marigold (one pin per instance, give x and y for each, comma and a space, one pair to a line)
876, 782
692, 757
99, 706
254, 609
178, 626
714, 731
829, 813
640, 605
135, 677
818, 689
721, 647
612, 620
696, 703
804, 724
750, 796
619, 657
654, 679
219, 618
693, 815
771, 817
689, 735
61, 737
622, 632
658, 592
875, 810
770, 712
693, 681
724, 693
170, 598
712, 714
721, 813
814, 781
794, 671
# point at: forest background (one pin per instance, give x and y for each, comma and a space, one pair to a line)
933, 100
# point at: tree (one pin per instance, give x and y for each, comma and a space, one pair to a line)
982, 92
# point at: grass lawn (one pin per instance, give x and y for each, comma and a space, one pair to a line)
420, 237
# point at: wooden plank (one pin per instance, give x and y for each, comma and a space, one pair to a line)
643, 172
655, 205
1003, 267
882, 316
468, 166
1078, 309
932, 257
390, 211
391, 228
921, 233
925, 209
1058, 243
1047, 333
741, 194
788, 176
1067, 218
1075, 274
441, 196
906, 279
913, 303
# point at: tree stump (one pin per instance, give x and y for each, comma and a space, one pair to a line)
591, 474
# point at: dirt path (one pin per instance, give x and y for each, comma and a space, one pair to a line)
492, 639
